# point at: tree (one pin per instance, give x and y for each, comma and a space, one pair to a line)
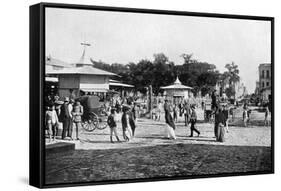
232, 73
163, 72
201, 76
232, 77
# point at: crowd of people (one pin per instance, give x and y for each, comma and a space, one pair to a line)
69, 113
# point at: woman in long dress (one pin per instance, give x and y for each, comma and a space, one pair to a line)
126, 126
219, 125
170, 125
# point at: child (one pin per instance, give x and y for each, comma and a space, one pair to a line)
193, 119
112, 125
52, 121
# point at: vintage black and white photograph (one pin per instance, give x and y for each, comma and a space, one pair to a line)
134, 95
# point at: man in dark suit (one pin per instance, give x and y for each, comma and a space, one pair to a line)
65, 118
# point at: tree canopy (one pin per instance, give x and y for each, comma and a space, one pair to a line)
160, 71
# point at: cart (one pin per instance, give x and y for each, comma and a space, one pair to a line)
95, 115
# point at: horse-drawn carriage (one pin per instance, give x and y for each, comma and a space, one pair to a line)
94, 115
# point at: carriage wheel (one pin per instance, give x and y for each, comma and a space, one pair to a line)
92, 123
102, 124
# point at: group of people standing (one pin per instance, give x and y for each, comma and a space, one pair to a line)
219, 111
128, 121
69, 114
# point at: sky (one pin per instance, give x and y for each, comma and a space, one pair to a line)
118, 37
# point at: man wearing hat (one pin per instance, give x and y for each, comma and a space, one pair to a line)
65, 118
193, 119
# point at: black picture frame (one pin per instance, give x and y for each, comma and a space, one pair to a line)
36, 81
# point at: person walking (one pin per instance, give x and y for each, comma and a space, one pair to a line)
126, 127
132, 120
245, 116
170, 125
160, 110
65, 117
77, 113
219, 125
214, 98
175, 113
186, 113
226, 114
266, 121
112, 125
193, 120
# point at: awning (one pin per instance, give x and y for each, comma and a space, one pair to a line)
94, 90
120, 84
94, 87
51, 79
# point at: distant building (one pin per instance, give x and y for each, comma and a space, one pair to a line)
77, 78
177, 90
265, 81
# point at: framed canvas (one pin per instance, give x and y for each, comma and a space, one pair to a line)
122, 95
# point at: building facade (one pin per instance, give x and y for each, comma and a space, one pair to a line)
265, 81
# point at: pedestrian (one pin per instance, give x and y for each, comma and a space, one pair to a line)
249, 111
135, 111
77, 113
112, 125
266, 121
170, 125
127, 131
245, 116
214, 100
153, 113
231, 113
226, 114
132, 121
193, 120
219, 125
159, 110
70, 109
65, 118
51, 121
175, 113
118, 106
203, 105
186, 113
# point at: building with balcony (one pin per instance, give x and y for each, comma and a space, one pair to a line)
265, 81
